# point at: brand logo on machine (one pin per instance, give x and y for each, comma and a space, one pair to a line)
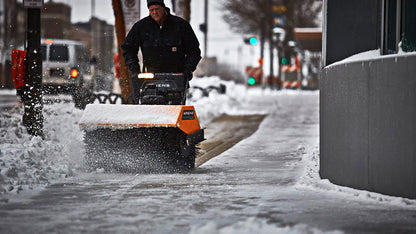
164, 85
188, 115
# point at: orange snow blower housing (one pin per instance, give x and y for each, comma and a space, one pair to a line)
153, 136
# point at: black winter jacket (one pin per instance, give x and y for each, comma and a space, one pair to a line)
170, 48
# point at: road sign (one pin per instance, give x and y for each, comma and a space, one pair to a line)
131, 12
279, 20
279, 9
33, 3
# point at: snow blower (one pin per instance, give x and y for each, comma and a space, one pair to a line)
152, 137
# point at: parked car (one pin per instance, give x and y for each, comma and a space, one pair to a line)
66, 68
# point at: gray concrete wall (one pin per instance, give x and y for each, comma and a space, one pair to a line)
368, 125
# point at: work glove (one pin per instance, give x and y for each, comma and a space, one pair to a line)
187, 75
134, 69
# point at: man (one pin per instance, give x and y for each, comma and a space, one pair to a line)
167, 42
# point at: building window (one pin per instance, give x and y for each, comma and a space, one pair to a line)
408, 26
398, 17
390, 27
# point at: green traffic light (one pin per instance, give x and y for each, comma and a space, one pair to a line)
284, 61
253, 41
251, 81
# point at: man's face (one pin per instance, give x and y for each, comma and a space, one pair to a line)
157, 12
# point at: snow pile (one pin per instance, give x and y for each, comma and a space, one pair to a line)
233, 103
217, 104
27, 161
310, 179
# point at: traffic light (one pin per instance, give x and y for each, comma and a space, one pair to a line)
251, 81
254, 75
288, 55
251, 40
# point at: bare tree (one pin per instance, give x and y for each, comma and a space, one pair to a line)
258, 17
121, 32
247, 16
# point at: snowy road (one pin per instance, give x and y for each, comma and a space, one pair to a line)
266, 183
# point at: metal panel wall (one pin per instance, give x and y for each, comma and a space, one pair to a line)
392, 125
368, 125
344, 125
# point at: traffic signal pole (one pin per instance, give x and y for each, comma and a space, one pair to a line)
262, 41
32, 97
271, 43
206, 28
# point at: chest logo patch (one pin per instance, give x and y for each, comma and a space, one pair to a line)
174, 49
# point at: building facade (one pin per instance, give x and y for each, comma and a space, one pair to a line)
56, 21
96, 34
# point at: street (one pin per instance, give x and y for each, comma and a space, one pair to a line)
263, 184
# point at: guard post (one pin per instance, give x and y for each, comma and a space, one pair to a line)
32, 97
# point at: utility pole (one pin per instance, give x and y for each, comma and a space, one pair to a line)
32, 97
206, 29
92, 8
93, 25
